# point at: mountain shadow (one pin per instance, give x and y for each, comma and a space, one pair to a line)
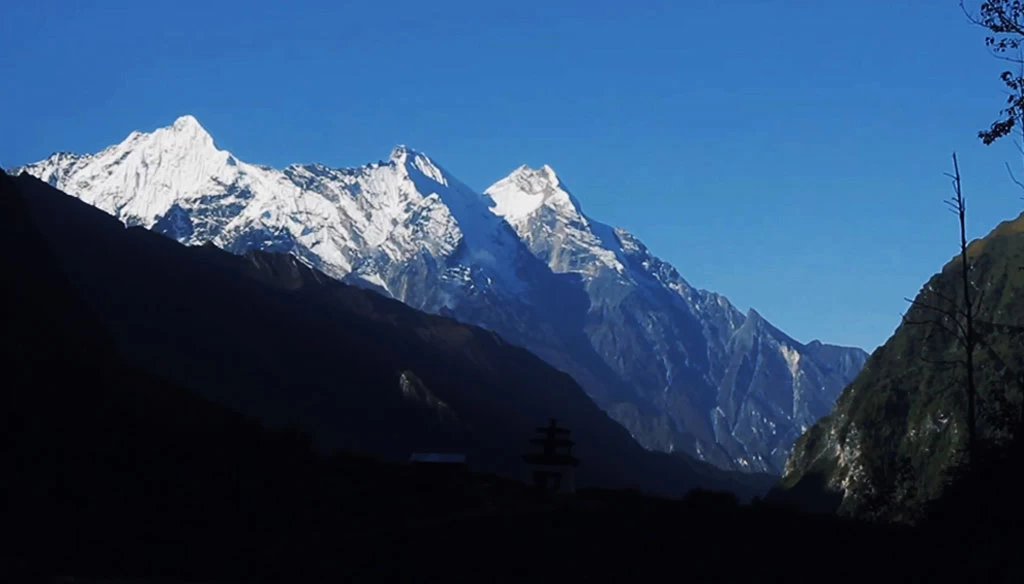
114, 473
272, 339
681, 368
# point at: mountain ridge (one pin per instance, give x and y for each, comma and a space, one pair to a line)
522, 259
901, 425
274, 340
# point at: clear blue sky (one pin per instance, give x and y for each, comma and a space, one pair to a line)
787, 153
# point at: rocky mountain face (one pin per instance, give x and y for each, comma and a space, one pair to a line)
901, 424
681, 368
732, 385
269, 338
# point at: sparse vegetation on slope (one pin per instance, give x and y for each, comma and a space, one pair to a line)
907, 408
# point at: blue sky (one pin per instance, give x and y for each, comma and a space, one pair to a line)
789, 157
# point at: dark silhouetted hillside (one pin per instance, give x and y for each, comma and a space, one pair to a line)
114, 472
902, 423
272, 339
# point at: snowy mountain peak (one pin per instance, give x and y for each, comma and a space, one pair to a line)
549, 173
413, 163
549, 219
527, 190
400, 153
186, 130
409, 229
544, 174
147, 175
187, 122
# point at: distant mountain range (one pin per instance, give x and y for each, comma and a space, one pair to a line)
681, 368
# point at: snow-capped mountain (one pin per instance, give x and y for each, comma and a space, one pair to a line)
682, 368
718, 377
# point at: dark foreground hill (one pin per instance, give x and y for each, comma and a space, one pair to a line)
112, 474
901, 425
680, 367
267, 337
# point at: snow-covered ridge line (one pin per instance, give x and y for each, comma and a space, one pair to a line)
521, 258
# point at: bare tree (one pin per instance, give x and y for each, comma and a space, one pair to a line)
956, 318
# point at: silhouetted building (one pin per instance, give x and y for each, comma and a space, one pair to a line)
551, 464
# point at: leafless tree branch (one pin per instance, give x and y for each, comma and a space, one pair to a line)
1009, 170
940, 324
952, 314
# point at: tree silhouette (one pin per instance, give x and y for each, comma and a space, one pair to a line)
1004, 21
956, 316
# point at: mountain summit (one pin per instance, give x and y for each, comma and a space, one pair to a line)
681, 368
526, 190
709, 370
